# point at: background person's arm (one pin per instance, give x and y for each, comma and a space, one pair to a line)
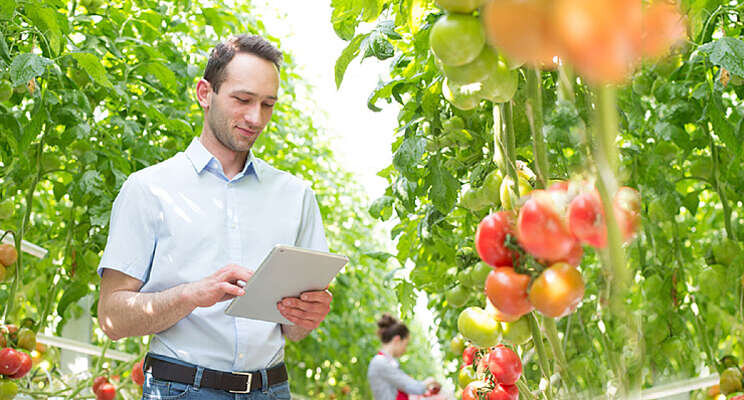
123, 311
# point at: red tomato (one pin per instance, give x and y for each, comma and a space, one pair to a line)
469, 354
505, 365
106, 391
627, 206
10, 361
503, 392
557, 291
97, 382
471, 390
507, 290
489, 239
26, 363
587, 220
498, 314
664, 26
541, 229
138, 376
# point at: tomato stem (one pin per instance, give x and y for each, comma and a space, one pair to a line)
524, 390
535, 117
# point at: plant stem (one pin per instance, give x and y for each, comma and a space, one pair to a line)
542, 355
535, 116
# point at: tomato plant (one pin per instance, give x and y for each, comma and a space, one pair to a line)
476, 325
557, 291
505, 365
542, 230
489, 239
457, 39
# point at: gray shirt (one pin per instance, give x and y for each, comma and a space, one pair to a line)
386, 378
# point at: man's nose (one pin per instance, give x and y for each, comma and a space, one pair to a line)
252, 115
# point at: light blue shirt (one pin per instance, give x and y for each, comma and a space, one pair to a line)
182, 219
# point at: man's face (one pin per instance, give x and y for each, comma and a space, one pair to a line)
242, 108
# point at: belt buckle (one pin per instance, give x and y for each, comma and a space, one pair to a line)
247, 384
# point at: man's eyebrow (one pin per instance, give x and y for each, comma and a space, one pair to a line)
248, 92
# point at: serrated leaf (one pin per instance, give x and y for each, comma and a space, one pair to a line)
379, 255
387, 28
27, 66
348, 54
444, 187
408, 155
406, 297
92, 65
727, 52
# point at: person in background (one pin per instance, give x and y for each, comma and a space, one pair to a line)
387, 380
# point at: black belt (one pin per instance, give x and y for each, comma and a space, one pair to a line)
233, 382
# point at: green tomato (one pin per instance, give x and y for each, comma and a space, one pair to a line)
460, 6
454, 123
474, 200
729, 361
501, 84
8, 389
516, 333
457, 296
478, 275
475, 71
6, 209
492, 187
730, 380
457, 344
726, 251
476, 325
6, 90
27, 339
464, 277
463, 98
506, 191
466, 375
457, 39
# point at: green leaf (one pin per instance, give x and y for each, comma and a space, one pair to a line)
74, 292
45, 20
406, 296
7, 9
345, 17
444, 187
4, 51
721, 126
27, 66
376, 45
163, 74
387, 28
348, 54
727, 52
92, 65
379, 255
408, 155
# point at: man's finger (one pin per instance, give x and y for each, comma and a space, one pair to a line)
322, 296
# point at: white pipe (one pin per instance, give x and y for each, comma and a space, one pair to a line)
28, 247
84, 348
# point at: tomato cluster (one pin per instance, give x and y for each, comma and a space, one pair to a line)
103, 389
731, 380
584, 33
473, 70
490, 373
535, 250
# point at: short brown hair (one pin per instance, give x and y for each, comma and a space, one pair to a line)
390, 327
223, 53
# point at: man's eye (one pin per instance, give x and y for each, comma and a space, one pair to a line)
269, 105
243, 100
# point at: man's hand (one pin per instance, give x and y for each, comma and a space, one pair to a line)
307, 311
220, 286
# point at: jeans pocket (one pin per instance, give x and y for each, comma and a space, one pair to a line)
157, 389
280, 391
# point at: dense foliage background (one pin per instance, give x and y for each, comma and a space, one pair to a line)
98, 90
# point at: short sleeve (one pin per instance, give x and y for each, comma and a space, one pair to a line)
132, 235
311, 234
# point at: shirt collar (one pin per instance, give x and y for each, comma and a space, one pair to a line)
200, 158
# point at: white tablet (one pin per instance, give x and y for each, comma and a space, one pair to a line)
287, 271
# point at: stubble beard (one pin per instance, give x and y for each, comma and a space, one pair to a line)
221, 132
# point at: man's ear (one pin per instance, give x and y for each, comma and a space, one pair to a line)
204, 93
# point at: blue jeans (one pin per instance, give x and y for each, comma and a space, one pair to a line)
156, 389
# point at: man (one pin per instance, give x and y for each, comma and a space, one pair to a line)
187, 232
